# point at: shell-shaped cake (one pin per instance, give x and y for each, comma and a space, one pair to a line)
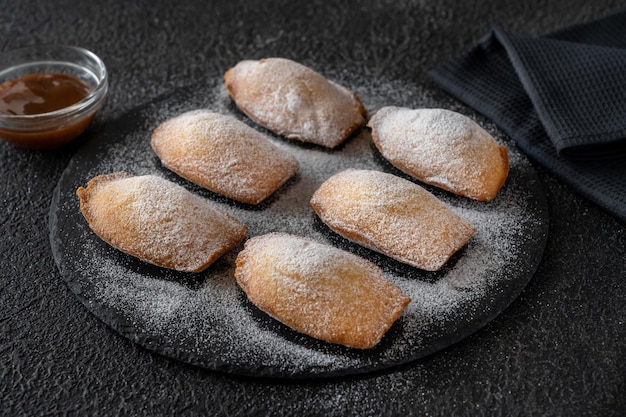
391, 215
442, 148
319, 290
223, 154
294, 101
158, 221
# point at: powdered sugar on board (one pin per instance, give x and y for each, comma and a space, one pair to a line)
205, 319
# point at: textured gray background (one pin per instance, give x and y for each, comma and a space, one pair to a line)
558, 350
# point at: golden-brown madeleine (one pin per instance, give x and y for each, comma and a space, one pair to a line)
391, 215
294, 101
158, 221
223, 154
319, 290
442, 148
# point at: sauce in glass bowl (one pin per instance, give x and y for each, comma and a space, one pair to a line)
49, 94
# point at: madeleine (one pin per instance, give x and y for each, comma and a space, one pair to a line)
158, 221
223, 154
294, 101
442, 148
319, 290
391, 215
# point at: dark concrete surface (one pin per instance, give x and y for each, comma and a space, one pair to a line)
558, 350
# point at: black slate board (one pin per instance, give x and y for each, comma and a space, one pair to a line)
205, 319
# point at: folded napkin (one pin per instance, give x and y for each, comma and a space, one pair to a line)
561, 97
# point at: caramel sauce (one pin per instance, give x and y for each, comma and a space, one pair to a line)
41, 93
38, 94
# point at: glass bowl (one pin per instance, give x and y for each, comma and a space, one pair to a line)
54, 128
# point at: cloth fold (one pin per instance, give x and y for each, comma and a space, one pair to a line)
561, 97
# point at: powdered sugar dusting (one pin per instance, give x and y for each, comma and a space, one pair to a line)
205, 319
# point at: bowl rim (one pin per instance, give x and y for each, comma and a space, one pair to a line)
94, 96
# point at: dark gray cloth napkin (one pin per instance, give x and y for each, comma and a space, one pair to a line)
561, 97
